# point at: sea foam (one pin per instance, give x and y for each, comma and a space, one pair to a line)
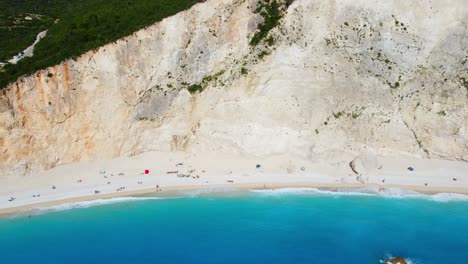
210, 191
408, 261
82, 204
98, 202
368, 191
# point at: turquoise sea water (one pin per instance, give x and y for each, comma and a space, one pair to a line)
249, 227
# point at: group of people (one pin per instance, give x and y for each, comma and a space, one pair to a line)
120, 189
188, 176
13, 198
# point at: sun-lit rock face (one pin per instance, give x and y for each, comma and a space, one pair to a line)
333, 77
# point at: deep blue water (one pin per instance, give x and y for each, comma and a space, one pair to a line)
244, 228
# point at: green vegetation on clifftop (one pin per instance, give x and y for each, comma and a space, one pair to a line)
79, 26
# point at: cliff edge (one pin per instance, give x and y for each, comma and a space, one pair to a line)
306, 77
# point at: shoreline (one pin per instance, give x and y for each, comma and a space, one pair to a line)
126, 177
232, 187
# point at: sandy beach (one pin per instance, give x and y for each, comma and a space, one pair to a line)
177, 171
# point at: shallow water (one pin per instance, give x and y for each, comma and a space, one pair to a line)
248, 227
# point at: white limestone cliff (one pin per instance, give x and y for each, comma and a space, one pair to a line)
341, 76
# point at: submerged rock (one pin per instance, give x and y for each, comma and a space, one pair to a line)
396, 260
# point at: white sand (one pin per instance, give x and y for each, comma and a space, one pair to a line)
217, 170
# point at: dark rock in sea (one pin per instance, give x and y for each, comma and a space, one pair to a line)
396, 260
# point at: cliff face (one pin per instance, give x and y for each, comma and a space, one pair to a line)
333, 76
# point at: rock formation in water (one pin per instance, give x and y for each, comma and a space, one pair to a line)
340, 76
397, 260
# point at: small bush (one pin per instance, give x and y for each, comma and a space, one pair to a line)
464, 82
263, 54
442, 113
337, 115
195, 88
270, 41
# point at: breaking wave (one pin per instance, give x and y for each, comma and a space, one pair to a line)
387, 193
86, 204
211, 192
82, 204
